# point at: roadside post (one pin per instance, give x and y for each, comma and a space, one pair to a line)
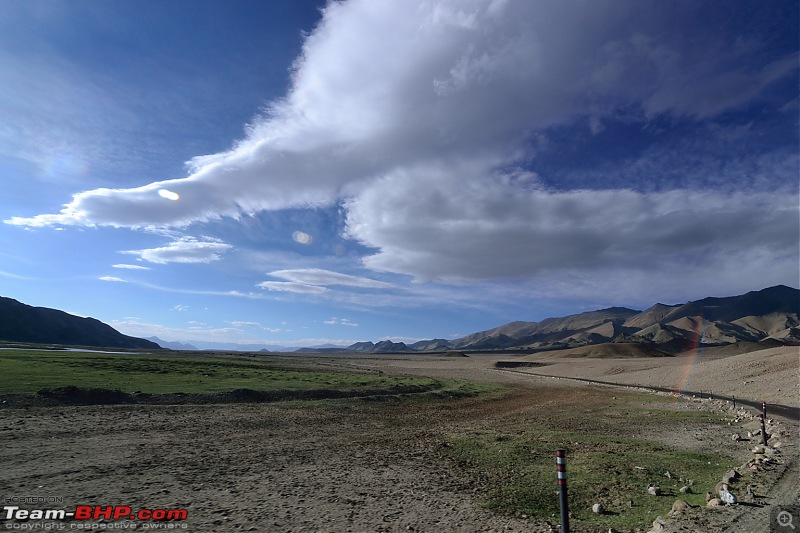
763, 432
764, 409
561, 466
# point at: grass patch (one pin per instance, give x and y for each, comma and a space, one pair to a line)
518, 464
27, 371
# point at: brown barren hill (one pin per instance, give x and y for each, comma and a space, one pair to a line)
608, 350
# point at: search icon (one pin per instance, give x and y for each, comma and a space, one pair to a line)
785, 519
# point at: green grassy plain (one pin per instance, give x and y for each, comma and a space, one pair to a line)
611, 467
27, 371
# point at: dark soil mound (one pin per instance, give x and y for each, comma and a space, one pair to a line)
79, 396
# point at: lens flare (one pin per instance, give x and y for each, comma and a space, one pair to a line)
169, 195
302, 237
695, 354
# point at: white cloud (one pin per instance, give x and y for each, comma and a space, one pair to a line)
382, 84
413, 114
426, 226
334, 321
321, 277
184, 250
112, 278
290, 286
238, 323
130, 267
180, 308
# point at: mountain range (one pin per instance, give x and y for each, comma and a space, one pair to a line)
768, 317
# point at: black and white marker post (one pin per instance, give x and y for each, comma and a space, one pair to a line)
561, 465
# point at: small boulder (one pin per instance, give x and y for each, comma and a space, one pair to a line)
598, 508
678, 507
714, 502
709, 497
727, 497
686, 489
653, 490
730, 476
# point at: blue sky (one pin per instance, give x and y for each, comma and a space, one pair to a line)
300, 173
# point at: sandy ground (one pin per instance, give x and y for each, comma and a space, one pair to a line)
359, 466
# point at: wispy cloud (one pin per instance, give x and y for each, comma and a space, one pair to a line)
258, 325
130, 267
239, 323
321, 277
334, 321
112, 278
185, 250
15, 276
290, 286
199, 292
206, 333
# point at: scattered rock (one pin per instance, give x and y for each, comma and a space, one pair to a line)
758, 450
714, 502
679, 506
686, 489
727, 497
730, 476
598, 508
668, 474
653, 490
736, 437
709, 497
658, 524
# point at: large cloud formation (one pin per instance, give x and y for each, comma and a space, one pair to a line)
419, 115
